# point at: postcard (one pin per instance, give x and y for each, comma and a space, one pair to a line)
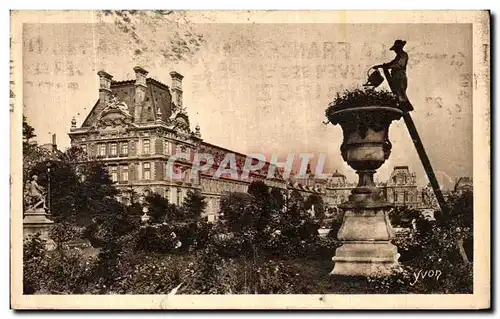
250, 159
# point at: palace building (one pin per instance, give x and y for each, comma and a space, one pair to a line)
463, 184
401, 188
136, 125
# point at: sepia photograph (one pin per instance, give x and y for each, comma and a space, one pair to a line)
170, 159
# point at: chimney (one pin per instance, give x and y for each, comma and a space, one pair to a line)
73, 124
140, 91
104, 88
54, 143
176, 89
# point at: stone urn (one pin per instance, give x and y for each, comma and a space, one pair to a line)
366, 231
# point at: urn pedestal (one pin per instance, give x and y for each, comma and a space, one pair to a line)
36, 221
366, 231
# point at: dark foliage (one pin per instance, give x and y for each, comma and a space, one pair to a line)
319, 205
265, 243
28, 131
77, 190
214, 262
160, 210
193, 206
361, 98
436, 245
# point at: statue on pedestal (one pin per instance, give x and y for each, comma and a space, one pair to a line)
35, 194
35, 217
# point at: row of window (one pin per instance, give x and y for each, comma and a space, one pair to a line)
404, 180
122, 174
123, 148
113, 149
402, 198
174, 195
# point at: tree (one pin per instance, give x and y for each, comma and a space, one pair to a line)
28, 131
461, 211
235, 212
32, 153
297, 224
278, 199
134, 206
259, 190
160, 209
194, 205
84, 190
319, 205
263, 205
62, 191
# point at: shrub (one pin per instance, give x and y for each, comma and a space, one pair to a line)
63, 232
154, 274
193, 206
33, 254
159, 238
61, 271
335, 224
399, 282
436, 246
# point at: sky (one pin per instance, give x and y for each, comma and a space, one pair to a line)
262, 87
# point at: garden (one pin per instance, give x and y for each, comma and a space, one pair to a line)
263, 243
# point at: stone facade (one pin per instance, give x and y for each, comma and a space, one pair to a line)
136, 125
401, 188
338, 189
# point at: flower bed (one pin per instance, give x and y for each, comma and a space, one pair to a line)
361, 98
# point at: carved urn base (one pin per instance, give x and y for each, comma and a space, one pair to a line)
365, 259
36, 221
366, 249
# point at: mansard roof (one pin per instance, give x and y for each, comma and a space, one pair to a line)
131, 82
86, 122
150, 111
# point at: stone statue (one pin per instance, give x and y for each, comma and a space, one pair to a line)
115, 103
176, 110
35, 192
312, 211
397, 78
35, 219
